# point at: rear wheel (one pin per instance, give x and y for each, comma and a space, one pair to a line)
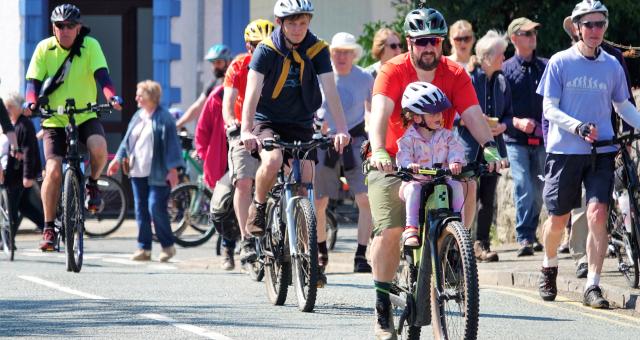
626, 248
108, 219
189, 215
72, 219
405, 281
305, 262
277, 266
7, 232
455, 311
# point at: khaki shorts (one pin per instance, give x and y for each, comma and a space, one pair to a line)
387, 209
241, 163
327, 179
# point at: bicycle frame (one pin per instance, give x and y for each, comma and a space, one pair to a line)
295, 178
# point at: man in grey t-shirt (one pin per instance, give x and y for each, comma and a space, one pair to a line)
579, 86
354, 87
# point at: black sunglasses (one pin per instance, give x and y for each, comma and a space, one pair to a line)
527, 33
592, 24
393, 46
422, 42
465, 39
62, 25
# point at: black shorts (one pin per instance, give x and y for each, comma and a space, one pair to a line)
55, 139
288, 133
565, 175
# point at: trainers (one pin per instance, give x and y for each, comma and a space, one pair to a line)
548, 288
593, 298
483, 252
141, 255
167, 253
256, 222
526, 249
360, 264
384, 328
537, 246
93, 202
228, 263
248, 252
582, 270
48, 240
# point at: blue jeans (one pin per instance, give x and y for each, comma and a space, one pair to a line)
527, 163
151, 203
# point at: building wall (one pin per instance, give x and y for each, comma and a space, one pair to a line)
11, 26
333, 16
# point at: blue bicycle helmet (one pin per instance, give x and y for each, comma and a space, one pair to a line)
421, 97
218, 51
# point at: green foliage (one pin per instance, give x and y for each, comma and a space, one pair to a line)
624, 20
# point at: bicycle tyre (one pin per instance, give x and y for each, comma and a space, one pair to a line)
115, 201
454, 245
277, 268
332, 229
72, 210
404, 283
305, 264
631, 247
7, 232
190, 227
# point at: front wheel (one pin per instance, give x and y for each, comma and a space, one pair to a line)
455, 309
189, 215
72, 219
305, 262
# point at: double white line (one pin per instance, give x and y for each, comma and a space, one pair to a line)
157, 317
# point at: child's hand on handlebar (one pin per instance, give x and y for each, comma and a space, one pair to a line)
415, 167
456, 168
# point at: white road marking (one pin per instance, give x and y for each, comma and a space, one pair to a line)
123, 261
189, 328
61, 288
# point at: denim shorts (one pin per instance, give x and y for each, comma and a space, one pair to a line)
565, 175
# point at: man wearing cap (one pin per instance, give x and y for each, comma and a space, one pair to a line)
523, 137
354, 88
579, 86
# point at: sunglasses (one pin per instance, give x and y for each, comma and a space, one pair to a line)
422, 42
394, 46
464, 39
62, 25
527, 33
593, 24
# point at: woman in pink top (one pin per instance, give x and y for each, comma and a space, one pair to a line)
426, 144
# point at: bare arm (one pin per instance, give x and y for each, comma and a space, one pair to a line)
335, 106
193, 112
476, 123
255, 82
367, 114
381, 109
228, 102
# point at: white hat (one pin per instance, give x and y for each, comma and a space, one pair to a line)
344, 40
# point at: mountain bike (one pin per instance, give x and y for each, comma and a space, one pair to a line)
437, 283
189, 203
7, 227
290, 244
624, 238
71, 207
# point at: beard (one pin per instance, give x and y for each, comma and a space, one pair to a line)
424, 65
219, 73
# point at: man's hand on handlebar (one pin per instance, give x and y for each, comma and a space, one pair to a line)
250, 141
381, 160
116, 102
492, 156
340, 140
588, 132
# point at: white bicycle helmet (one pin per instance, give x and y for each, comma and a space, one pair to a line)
586, 7
285, 8
421, 97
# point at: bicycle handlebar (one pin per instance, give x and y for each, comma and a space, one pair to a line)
621, 140
473, 169
70, 109
317, 141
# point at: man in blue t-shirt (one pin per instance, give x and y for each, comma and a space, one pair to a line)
282, 94
579, 86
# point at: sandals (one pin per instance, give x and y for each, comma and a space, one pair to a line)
411, 237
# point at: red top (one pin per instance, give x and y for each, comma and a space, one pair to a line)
236, 77
211, 140
397, 73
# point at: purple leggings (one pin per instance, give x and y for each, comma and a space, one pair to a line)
410, 193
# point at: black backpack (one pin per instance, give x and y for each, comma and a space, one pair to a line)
222, 214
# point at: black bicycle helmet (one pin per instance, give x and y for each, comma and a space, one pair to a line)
65, 12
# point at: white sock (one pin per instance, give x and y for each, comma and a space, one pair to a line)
593, 279
549, 262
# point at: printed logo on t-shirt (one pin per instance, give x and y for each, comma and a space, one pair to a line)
586, 83
293, 78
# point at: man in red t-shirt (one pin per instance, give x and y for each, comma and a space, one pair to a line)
425, 29
242, 165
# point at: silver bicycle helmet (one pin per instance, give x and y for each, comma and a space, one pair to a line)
285, 8
421, 97
425, 21
586, 7
65, 12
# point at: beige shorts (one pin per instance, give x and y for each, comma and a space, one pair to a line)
241, 163
387, 209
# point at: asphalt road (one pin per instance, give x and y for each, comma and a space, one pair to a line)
190, 297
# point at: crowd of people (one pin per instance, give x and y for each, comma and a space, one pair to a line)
415, 109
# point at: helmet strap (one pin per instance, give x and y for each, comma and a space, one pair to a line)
423, 124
